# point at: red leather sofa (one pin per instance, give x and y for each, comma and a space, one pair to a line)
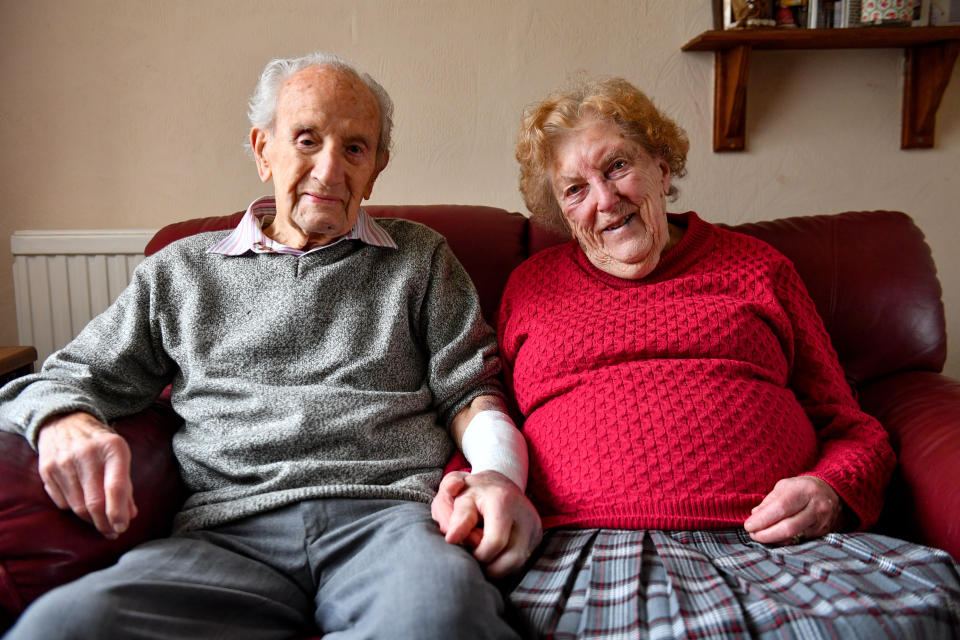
870, 274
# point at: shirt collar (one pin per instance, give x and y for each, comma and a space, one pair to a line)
248, 235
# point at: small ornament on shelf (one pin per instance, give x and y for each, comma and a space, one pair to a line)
791, 13
785, 18
750, 14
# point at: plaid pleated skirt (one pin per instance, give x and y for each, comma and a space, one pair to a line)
613, 584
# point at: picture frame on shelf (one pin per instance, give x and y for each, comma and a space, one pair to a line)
921, 13
726, 13
944, 12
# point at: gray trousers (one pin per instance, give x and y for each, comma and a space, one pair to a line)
352, 568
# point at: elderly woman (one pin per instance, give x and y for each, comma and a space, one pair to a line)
695, 450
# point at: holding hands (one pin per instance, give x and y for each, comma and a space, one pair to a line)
488, 512
487, 509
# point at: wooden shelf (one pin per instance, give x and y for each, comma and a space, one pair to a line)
854, 38
930, 55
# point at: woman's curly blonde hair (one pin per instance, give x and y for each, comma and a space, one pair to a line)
614, 99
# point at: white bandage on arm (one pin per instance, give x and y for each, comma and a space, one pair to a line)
491, 442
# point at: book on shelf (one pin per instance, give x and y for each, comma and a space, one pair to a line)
849, 13
815, 14
835, 14
828, 14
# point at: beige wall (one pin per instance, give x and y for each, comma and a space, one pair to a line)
129, 114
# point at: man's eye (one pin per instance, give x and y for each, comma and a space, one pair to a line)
306, 142
355, 149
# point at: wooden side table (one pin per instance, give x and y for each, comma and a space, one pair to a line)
16, 362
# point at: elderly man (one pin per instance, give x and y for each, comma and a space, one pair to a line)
321, 362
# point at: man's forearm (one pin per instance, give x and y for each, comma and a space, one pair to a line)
465, 415
490, 441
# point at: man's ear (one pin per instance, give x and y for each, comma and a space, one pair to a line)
382, 160
258, 142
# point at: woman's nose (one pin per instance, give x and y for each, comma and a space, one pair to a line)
605, 192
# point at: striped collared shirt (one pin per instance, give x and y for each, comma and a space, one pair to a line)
249, 235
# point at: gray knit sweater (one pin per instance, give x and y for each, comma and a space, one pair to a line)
334, 374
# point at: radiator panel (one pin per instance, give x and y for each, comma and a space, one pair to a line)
62, 279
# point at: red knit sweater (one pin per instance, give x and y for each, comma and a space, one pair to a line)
677, 401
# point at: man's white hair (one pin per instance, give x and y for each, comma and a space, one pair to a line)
262, 108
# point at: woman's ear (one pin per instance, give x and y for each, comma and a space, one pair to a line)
665, 177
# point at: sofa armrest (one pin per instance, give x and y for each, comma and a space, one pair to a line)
42, 547
921, 411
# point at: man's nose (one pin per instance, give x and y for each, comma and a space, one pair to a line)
328, 167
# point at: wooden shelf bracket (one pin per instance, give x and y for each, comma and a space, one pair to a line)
930, 53
927, 72
730, 98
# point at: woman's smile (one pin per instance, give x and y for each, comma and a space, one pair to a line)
619, 225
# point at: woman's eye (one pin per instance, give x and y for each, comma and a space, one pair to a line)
619, 164
574, 190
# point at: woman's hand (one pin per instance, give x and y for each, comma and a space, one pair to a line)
797, 508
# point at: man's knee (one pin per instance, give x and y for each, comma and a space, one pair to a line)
473, 612
77, 610
453, 595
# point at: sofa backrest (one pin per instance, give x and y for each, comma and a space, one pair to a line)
870, 273
874, 282
489, 242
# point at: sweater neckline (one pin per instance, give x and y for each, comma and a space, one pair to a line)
697, 237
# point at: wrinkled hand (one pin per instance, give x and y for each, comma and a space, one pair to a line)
511, 526
85, 467
804, 506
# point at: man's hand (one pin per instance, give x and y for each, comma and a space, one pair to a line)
797, 508
511, 527
85, 466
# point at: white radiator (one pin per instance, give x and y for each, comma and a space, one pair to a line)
62, 279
